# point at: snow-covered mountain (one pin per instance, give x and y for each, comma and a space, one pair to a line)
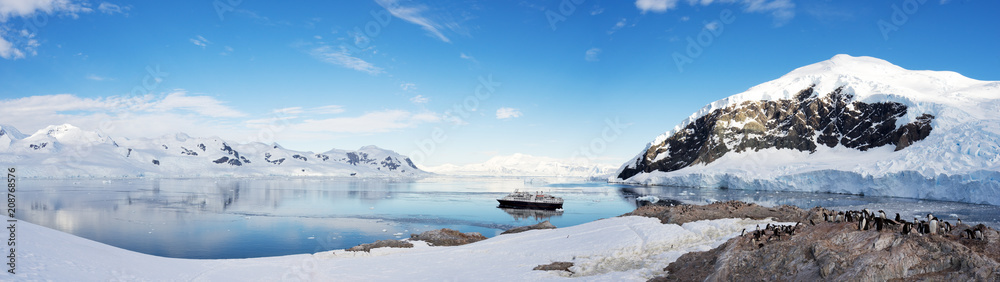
856, 125
527, 165
67, 151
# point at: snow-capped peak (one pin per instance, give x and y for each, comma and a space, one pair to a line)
948, 95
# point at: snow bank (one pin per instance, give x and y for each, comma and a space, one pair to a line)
616, 249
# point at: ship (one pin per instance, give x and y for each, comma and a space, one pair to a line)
530, 201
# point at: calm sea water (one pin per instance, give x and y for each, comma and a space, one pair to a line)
242, 218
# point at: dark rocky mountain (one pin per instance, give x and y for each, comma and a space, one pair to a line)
804, 123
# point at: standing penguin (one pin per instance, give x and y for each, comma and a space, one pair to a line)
861, 224
897, 217
959, 221
933, 229
881, 214
979, 234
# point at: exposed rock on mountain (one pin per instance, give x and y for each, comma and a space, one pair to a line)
856, 125
67, 151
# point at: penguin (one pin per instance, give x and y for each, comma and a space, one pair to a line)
864, 223
840, 216
861, 224
933, 228
906, 229
826, 217
878, 223
967, 233
811, 222
897, 217
979, 234
881, 214
743, 232
947, 227
959, 221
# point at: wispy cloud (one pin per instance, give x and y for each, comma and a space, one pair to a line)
110, 9
781, 10
468, 58
203, 105
507, 113
342, 57
419, 99
200, 41
127, 116
416, 14
619, 25
658, 6
406, 86
373, 122
95, 77
591, 54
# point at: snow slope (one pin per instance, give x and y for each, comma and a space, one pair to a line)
64, 151
527, 165
959, 160
616, 249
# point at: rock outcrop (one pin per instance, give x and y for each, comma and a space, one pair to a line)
804, 123
447, 237
837, 250
381, 244
730, 209
541, 225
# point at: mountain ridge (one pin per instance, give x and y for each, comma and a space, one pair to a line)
65, 151
855, 125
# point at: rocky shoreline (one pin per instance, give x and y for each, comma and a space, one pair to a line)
825, 246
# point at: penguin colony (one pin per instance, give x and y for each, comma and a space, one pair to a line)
929, 225
868, 220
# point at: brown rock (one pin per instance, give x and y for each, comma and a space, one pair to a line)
447, 237
840, 252
380, 244
563, 266
542, 225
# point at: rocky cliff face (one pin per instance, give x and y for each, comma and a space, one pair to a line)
809, 120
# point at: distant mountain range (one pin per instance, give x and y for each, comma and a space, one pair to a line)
527, 165
62, 151
857, 125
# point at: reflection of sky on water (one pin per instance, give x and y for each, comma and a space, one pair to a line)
236, 218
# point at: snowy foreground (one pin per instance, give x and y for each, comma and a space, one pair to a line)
617, 249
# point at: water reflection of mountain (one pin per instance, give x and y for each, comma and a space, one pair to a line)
520, 214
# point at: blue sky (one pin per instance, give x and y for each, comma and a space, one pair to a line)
445, 81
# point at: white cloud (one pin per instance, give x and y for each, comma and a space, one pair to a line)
596, 10
415, 14
342, 57
200, 41
419, 99
110, 9
506, 113
26, 8
288, 111
469, 58
619, 25
227, 50
712, 25
328, 110
591, 54
373, 122
95, 77
203, 105
781, 10
8, 51
658, 6
17, 44
125, 116
408, 86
